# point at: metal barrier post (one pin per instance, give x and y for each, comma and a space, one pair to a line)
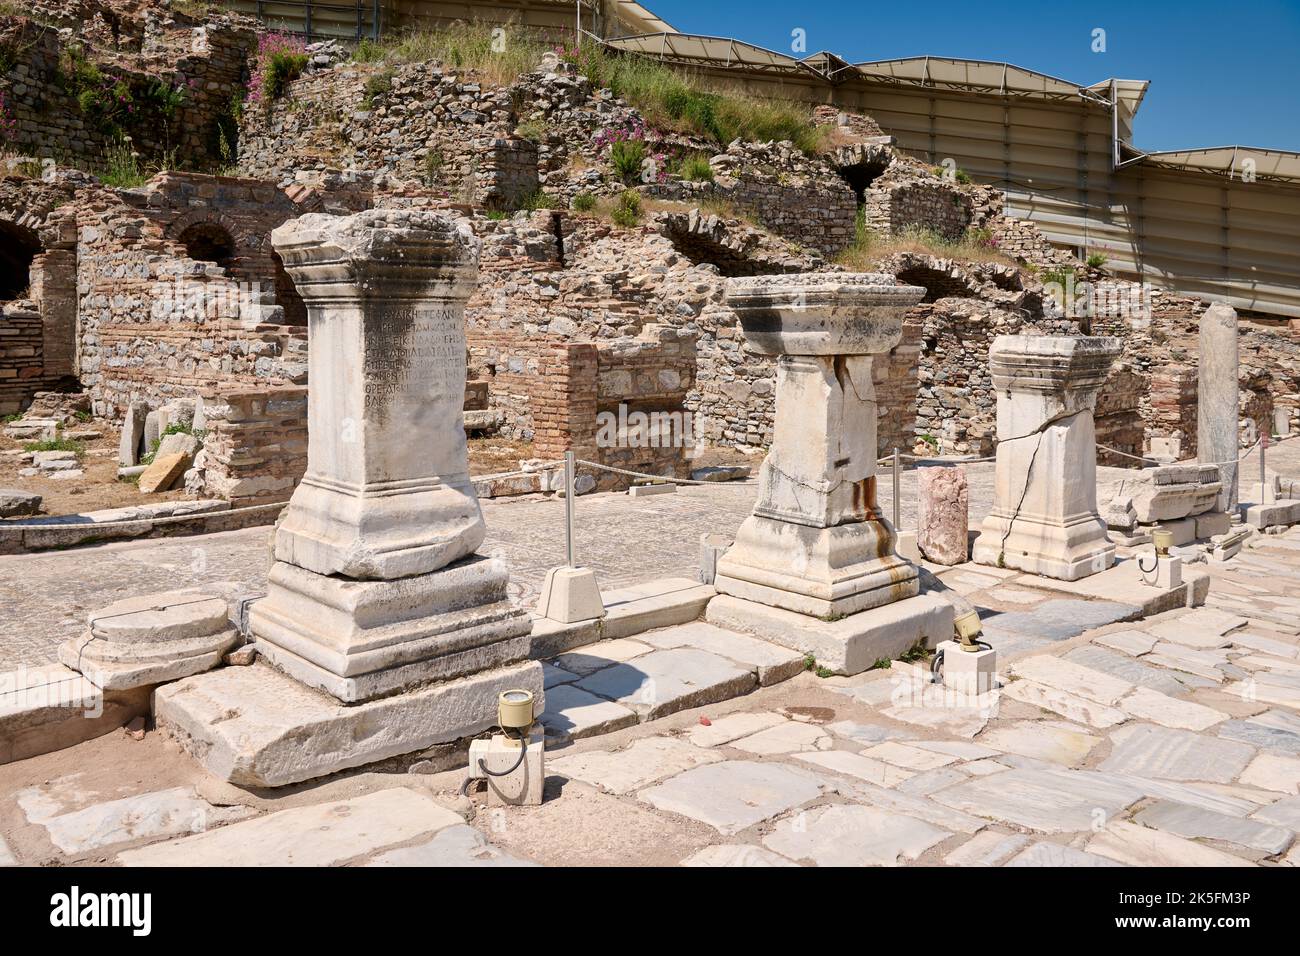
896, 492
1263, 445
568, 507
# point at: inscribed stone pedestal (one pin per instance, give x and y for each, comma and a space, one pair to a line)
1216, 399
376, 587
1044, 517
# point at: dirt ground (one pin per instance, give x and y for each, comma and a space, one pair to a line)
98, 489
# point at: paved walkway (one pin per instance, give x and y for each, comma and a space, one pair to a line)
1172, 741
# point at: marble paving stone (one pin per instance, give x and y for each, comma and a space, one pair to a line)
1164, 656
1136, 672
1054, 855
163, 813
665, 682
864, 733
1266, 644
552, 676
873, 693
1059, 619
772, 662
983, 768
1053, 801
850, 835
594, 657
1067, 705
1283, 813
736, 854
735, 794
455, 846
641, 764
1257, 689
1009, 595
965, 583
1147, 704
856, 765
1272, 772
1141, 846
1064, 675
323, 834
1135, 643
908, 757
1148, 751
960, 749
931, 780
989, 848
787, 738
732, 727
1274, 730
1197, 823
1266, 662
6, 855
939, 711
914, 805
572, 713
1031, 739
1206, 796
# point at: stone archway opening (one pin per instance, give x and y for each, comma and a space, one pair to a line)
732, 263
866, 168
18, 247
938, 285
286, 294
208, 242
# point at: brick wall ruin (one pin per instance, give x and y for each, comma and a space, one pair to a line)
255, 446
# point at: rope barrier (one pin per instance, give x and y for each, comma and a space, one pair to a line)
642, 474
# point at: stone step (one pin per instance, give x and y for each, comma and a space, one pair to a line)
632, 610
616, 683
44, 709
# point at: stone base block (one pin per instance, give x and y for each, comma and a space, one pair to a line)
1184, 531
846, 646
359, 640
1212, 523
1284, 512
1068, 551
523, 786
44, 709
822, 572
257, 727
645, 491
1225, 546
969, 672
1165, 574
570, 595
642, 607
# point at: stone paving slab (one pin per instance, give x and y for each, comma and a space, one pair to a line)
664, 682
1139, 846
1055, 855
735, 794
455, 846
1147, 704
853, 836
641, 764
1284, 813
1072, 678
594, 657
1052, 801
989, 848
6, 855
1069, 706
1264, 730
736, 854
732, 727
859, 767
164, 813
789, 737
324, 834
1137, 671
772, 662
1148, 751
1273, 772
572, 713
1055, 745
1198, 823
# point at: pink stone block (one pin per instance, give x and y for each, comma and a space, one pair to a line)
944, 508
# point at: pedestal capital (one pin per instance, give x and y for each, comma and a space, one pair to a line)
1051, 363
822, 313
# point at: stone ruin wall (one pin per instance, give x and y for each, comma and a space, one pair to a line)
205, 57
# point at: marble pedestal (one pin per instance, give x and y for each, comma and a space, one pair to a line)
1045, 518
376, 586
816, 542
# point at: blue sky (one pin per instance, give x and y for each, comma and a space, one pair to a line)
1221, 73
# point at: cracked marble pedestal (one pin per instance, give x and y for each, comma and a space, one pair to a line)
1045, 517
816, 543
376, 593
